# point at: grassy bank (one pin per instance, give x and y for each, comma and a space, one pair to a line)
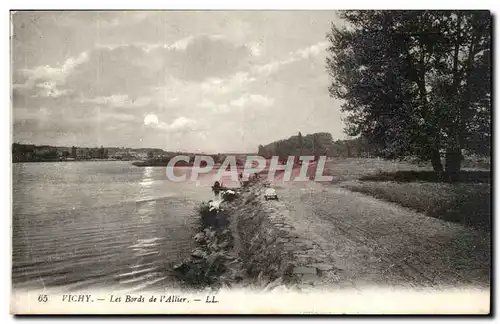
464, 203
345, 169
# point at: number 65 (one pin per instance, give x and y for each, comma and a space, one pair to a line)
43, 298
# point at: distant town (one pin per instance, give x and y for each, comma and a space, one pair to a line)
47, 153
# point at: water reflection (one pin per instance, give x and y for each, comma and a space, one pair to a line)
99, 225
146, 244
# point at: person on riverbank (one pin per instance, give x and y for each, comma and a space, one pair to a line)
216, 188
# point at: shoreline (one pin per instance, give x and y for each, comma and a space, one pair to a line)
241, 244
91, 160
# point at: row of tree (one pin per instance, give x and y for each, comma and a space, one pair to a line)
312, 144
318, 144
416, 83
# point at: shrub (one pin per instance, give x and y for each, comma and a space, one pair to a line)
228, 195
208, 215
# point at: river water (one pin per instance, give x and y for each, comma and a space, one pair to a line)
91, 225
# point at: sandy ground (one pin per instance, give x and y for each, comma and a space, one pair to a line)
376, 243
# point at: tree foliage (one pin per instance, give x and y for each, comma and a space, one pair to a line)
318, 144
415, 82
311, 144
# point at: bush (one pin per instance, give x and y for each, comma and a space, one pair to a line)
228, 195
208, 215
206, 264
201, 272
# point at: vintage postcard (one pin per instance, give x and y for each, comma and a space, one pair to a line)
251, 162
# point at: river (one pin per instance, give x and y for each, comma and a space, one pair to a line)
108, 225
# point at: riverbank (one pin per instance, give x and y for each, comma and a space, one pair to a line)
247, 242
214, 262
324, 236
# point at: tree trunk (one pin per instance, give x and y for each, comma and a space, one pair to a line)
436, 162
453, 163
453, 148
432, 130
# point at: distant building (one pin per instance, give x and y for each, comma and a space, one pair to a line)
94, 153
82, 154
44, 150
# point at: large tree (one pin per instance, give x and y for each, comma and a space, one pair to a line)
415, 82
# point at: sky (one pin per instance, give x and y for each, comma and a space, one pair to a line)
198, 81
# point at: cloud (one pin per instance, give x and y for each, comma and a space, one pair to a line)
252, 99
301, 54
136, 68
191, 69
105, 19
124, 69
209, 57
179, 45
49, 89
192, 58
201, 98
255, 48
179, 125
57, 74
235, 105
230, 84
118, 100
269, 68
113, 100
313, 50
47, 81
135, 76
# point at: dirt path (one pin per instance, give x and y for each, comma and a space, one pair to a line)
376, 243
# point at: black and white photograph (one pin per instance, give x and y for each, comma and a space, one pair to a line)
251, 162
